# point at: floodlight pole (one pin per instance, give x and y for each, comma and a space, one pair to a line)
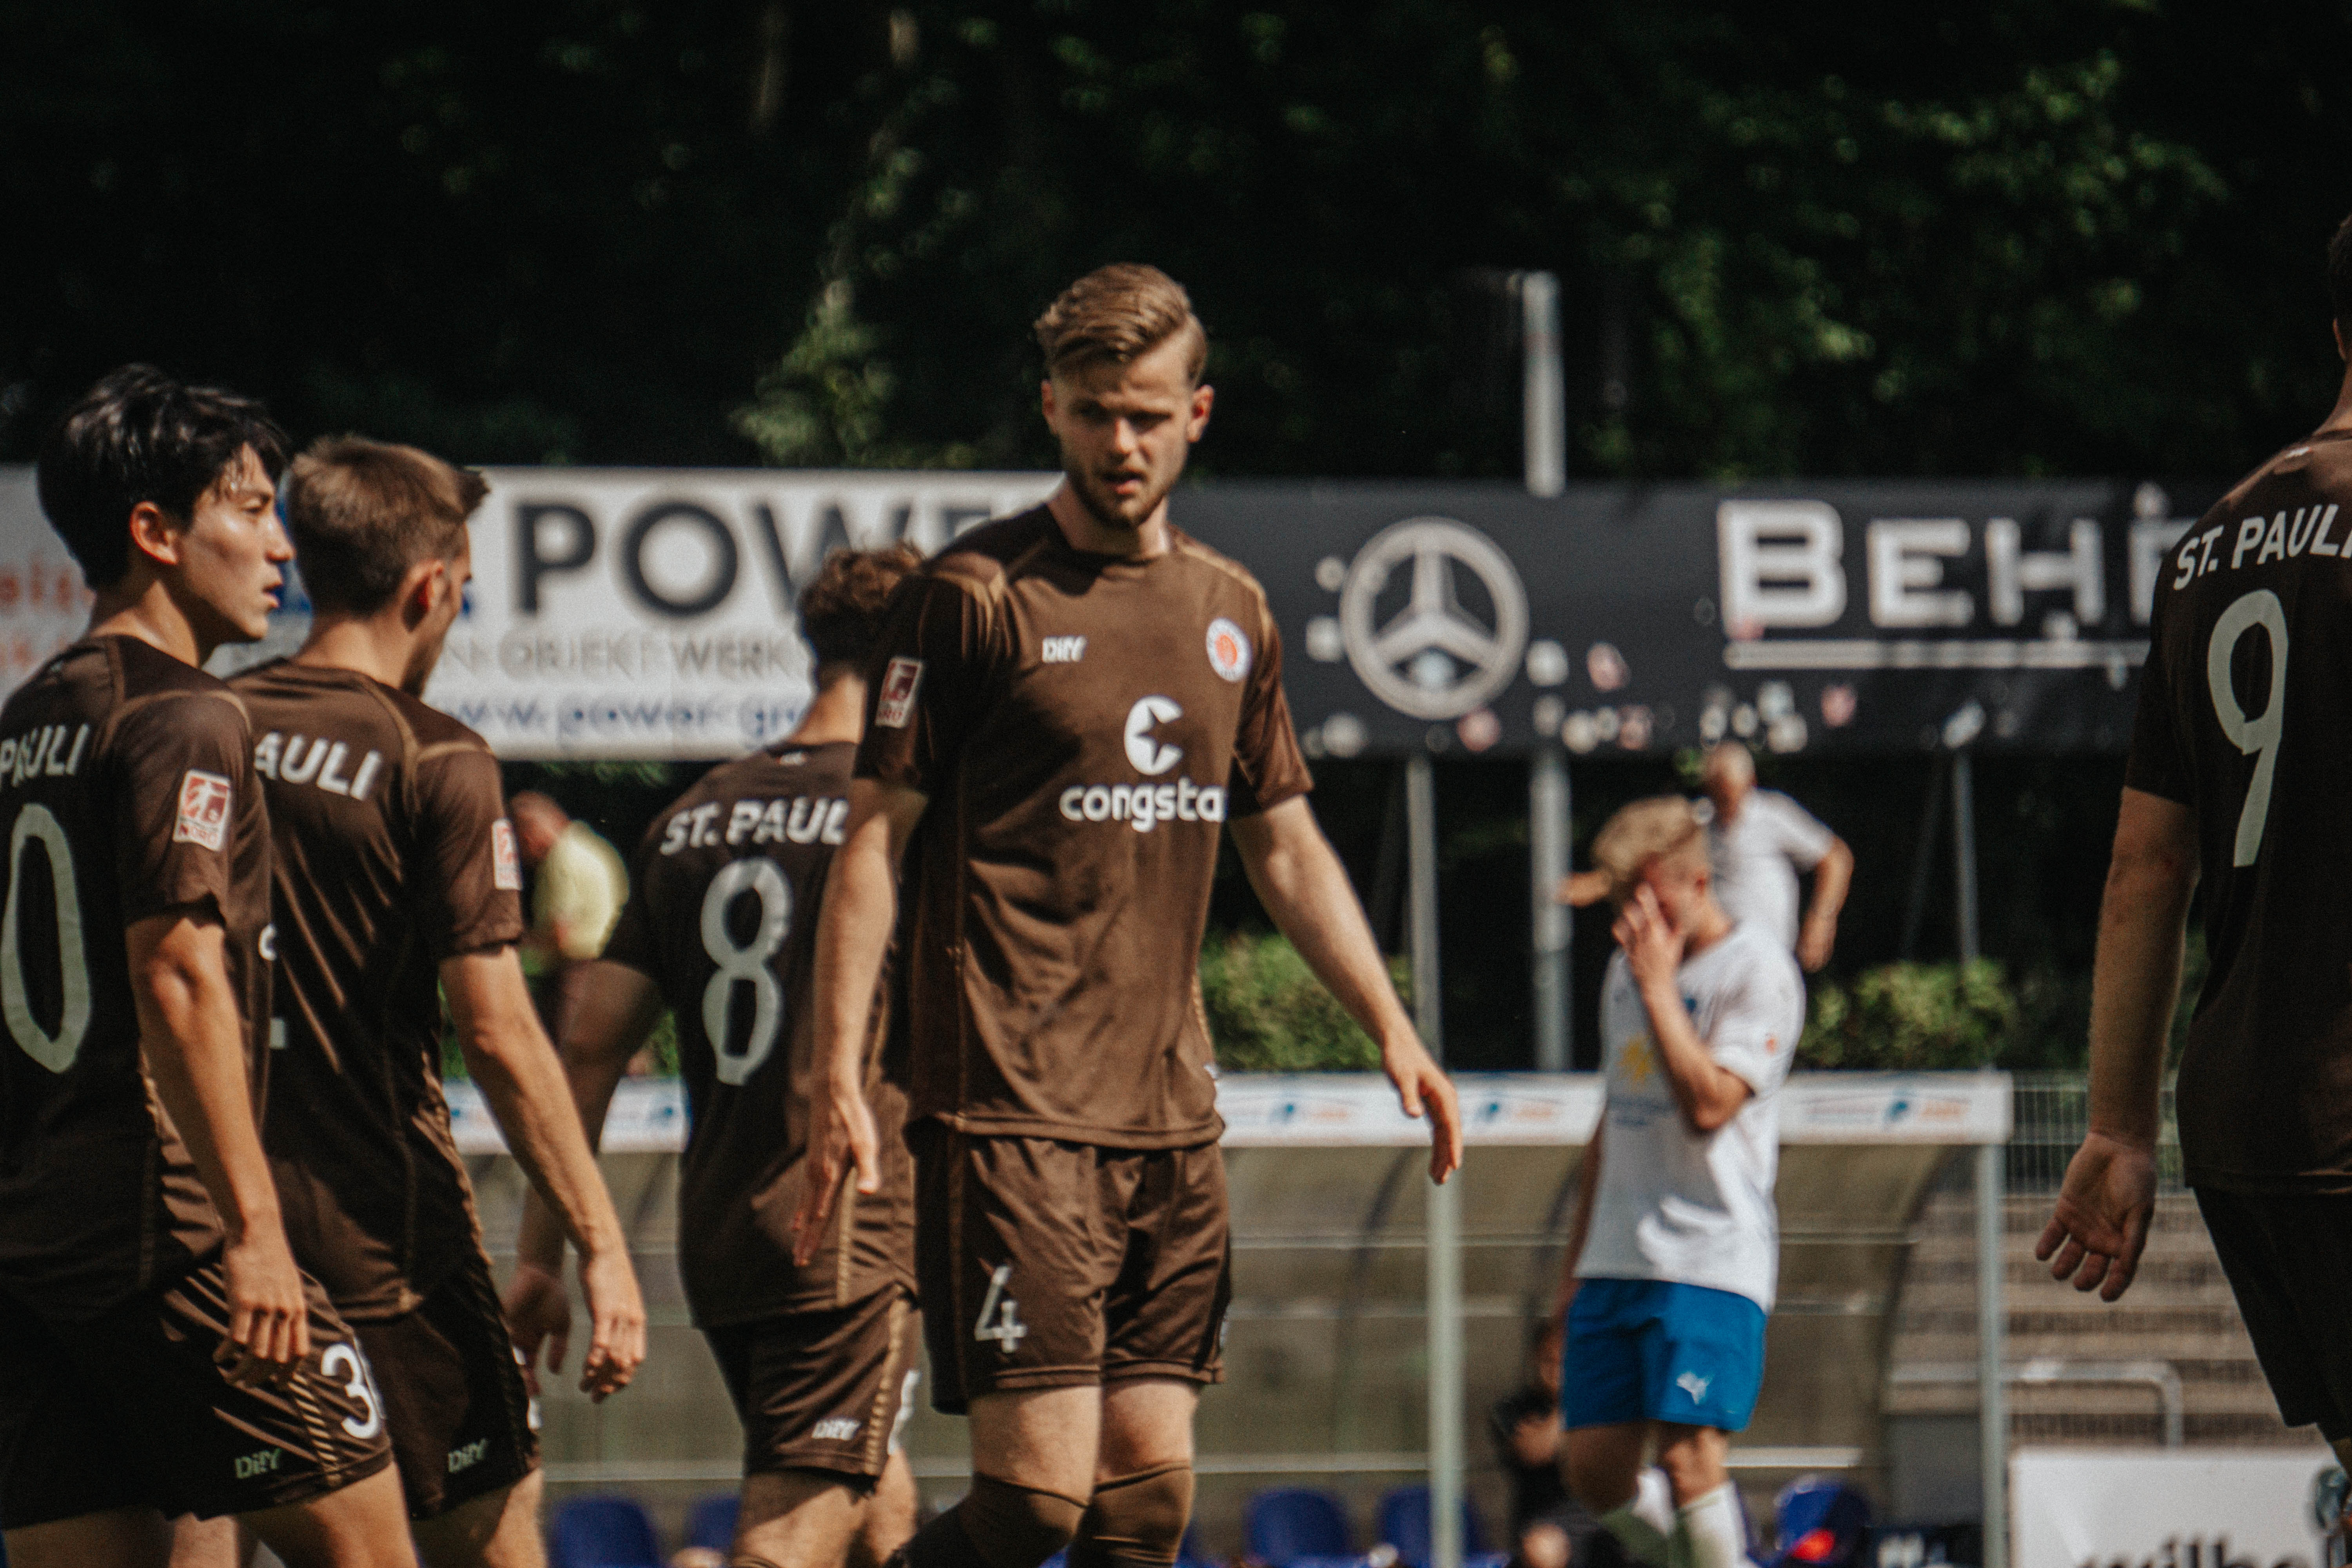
1547, 802
1991, 1183
1542, 402
1444, 1228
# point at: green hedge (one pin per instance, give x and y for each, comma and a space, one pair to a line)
1919, 1017
1268, 1013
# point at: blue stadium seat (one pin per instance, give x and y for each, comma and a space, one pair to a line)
601, 1533
1821, 1523
1288, 1523
710, 1522
1405, 1524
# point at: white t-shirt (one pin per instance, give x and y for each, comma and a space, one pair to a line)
1696, 1208
1756, 860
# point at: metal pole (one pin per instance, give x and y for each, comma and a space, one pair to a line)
1993, 1313
1547, 863
1964, 853
1992, 1321
1444, 1240
1543, 404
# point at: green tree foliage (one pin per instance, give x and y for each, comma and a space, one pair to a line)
2007, 238
1268, 1013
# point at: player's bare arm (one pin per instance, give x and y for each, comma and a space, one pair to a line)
2101, 1222
192, 1038
615, 1011
1832, 880
853, 936
1300, 879
508, 1055
1707, 1094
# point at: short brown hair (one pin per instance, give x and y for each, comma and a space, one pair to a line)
1662, 827
1119, 313
842, 607
362, 512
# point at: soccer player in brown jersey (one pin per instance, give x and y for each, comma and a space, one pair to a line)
396, 884
165, 1356
1071, 704
818, 1358
2236, 782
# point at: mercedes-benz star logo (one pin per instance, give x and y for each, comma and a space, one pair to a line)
1433, 660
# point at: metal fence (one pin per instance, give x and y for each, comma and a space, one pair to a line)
2053, 1111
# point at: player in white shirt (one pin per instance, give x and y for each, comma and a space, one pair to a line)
1674, 1251
1757, 842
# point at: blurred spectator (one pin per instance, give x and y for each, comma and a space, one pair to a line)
1758, 842
1550, 1529
580, 883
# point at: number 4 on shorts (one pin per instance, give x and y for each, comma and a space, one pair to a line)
1008, 1329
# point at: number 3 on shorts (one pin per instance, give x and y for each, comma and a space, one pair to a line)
341, 1359
2257, 737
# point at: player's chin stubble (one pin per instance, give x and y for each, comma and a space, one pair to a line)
1105, 506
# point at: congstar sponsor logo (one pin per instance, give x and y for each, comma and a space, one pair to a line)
1144, 806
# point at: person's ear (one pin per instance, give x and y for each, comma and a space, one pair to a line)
422, 593
1052, 406
2337, 328
154, 534
1203, 396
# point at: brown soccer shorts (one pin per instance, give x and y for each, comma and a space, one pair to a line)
2288, 1257
461, 1416
1044, 1264
824, 1390
129, 1410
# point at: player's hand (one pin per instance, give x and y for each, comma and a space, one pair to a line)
1421, 1088
539, 1312
1654, 951
268, 1317
616, 1323
1813, 947
2101, 1224
849, 1146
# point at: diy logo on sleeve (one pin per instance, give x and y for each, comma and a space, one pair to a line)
203, 810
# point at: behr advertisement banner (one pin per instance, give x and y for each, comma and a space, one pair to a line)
647, 613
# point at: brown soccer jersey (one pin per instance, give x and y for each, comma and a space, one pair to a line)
126, 791
1082, 724
2242, 718
393, 854
723, 916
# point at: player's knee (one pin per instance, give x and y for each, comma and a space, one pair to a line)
1136, 1520
1014, 1525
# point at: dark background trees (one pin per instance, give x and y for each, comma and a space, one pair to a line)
2016, 239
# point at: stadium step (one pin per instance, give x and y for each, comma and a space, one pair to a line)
2179, 1311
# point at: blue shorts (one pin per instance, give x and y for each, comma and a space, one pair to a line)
1643, 1350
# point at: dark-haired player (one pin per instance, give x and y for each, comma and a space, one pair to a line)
820, 1358
397, 885
163, 1353
1074, 703
2238, 759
